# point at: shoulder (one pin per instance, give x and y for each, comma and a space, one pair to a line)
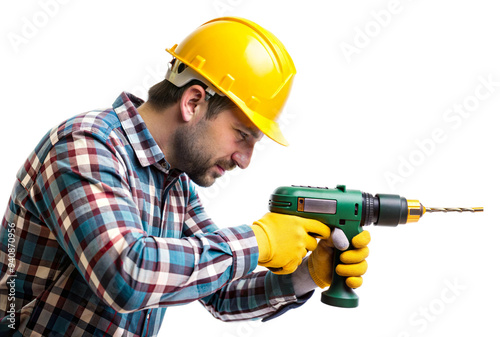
99, 123
96, 124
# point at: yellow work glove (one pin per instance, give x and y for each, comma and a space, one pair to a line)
284, 240
320, 263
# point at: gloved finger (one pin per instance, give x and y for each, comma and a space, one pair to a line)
311, 243
354, 282
339, 239
290, 267
361, 240
316, 228
356, 269
281, 271
355, 255
275, 270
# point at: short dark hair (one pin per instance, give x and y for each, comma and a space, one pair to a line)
163, 94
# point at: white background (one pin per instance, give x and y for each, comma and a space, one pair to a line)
376, 81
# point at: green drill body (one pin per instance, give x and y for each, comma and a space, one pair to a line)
348, 210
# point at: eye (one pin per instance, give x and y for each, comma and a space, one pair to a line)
243, 135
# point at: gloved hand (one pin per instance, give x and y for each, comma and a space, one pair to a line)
320, 261
284, 240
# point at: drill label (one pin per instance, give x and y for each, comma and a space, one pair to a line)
323, 206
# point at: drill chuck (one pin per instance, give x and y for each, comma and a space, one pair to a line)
390, 210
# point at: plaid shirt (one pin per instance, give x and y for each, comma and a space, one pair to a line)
101, 235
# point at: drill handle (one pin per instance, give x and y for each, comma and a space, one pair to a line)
339, 294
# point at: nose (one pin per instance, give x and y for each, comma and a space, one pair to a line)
243, 157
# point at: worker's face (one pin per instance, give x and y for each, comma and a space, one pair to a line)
206, 149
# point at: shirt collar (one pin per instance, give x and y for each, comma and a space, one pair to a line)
145, 147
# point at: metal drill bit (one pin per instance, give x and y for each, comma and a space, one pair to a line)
453, 209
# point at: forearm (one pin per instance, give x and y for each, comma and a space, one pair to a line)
153, 271
258, 295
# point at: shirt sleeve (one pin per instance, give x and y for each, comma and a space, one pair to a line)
248, 296
84, 197
260, 295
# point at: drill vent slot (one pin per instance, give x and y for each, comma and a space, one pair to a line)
274, 203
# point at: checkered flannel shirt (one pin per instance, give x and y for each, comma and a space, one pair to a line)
100, 236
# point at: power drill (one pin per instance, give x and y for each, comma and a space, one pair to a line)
348, 210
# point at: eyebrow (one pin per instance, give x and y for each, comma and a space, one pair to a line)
254, 132
247, 126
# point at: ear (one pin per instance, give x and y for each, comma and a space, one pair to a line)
191, 99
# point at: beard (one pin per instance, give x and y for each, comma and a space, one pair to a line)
194, 157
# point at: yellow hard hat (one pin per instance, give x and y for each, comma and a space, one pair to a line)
243, 61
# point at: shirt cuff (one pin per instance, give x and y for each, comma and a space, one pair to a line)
302, 281
281, 294
243, 244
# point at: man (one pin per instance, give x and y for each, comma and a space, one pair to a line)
104, 229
